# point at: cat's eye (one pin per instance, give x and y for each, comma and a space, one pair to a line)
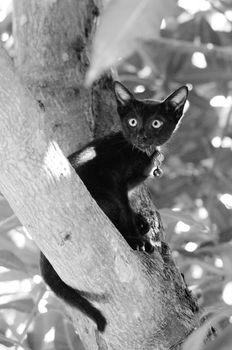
157, 123
132, 122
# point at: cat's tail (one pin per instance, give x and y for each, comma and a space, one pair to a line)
70, 295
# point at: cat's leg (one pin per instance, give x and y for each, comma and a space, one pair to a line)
142, 228
132, 226
141, 223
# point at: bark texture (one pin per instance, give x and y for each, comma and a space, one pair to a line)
52, 43
143, 297
51, 59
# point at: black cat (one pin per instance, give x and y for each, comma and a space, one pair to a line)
113, 165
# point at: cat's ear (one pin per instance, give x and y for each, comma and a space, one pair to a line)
123, 95
176, 100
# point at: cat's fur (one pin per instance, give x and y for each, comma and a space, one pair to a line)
112, 165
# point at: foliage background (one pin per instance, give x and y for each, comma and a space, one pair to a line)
194, 195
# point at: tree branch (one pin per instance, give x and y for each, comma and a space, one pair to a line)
143, 298
137, 294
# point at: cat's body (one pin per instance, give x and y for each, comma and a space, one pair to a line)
110, 167
115, 164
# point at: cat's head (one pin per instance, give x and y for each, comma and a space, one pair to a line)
147, 124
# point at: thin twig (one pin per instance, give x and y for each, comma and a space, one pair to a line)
13, 342
189, 47
7, 220
217, 271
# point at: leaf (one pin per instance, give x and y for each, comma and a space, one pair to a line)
196, 339
8, 219
123, 24
65, 336
219, 249
29, 255
169, 216
11, 261
22, 305
41, 326
9, 223
13, 275
5, 343
5, 209
223, 341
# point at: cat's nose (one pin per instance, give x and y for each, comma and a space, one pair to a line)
143, 138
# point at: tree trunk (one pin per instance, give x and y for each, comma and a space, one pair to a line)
143, 297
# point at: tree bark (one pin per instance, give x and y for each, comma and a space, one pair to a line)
143, 298
52, 42
52, 58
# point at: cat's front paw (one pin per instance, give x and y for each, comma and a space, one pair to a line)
141, 243
141, 224
148, 246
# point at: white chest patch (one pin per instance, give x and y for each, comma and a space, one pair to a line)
87, 155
